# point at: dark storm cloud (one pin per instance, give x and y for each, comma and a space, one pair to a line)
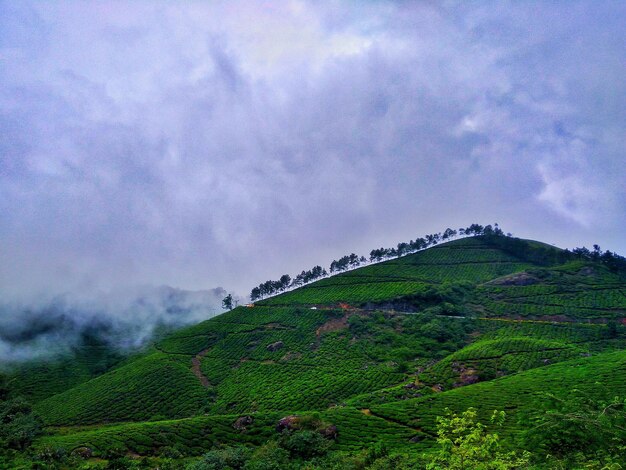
198, 144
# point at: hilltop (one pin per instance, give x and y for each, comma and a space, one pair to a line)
367, 358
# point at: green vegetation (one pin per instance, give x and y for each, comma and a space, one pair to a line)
576, 429
18, 424
516, 393
465, 443
470, 259
397, 364
49, 375
155, 386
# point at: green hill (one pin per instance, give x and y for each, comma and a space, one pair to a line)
469, 259
377, 352
396, 423
592, 375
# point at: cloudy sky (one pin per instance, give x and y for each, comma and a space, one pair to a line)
224, 143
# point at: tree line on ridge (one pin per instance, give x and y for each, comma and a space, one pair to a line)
352, 261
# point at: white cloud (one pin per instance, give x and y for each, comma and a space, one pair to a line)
572, 196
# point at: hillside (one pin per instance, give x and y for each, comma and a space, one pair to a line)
376, 354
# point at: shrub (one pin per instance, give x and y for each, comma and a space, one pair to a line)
576, 426
268, 457
304, 444
221, 459
18, 425
466, 444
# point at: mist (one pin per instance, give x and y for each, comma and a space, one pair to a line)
125, 320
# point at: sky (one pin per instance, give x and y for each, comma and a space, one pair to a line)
219, 144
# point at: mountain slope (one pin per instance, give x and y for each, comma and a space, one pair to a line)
157, 385
402, 424
596, 376
378, 352
468, 259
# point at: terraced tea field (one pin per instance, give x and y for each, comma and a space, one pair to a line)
571, 292
594, 375
461, 260
375, 354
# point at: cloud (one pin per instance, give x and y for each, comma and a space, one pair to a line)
122, 319
196, 144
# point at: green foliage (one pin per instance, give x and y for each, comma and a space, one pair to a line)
577, 425
304, 444
154, 384
574, 291
291, 448
613, 329
487, 359
58, 372
512, 393
465, 443
4, 387
18, 424
411, 279
227, 302
534, 252
269, 457
221, 459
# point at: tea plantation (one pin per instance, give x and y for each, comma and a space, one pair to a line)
359, 366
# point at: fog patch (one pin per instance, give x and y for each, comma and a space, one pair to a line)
123, 319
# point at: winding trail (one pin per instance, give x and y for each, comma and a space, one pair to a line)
197, 371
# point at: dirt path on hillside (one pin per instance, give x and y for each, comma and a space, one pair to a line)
334, 324
197, 371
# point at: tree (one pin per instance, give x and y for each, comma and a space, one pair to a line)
448, 233
612, 329
18, 424
377, 254
403, 248
304, 444
297, 281
223, 459
267, 288
475, 229
465, 444
353, 260
227, 302
317, 272
269, 456
284, 280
